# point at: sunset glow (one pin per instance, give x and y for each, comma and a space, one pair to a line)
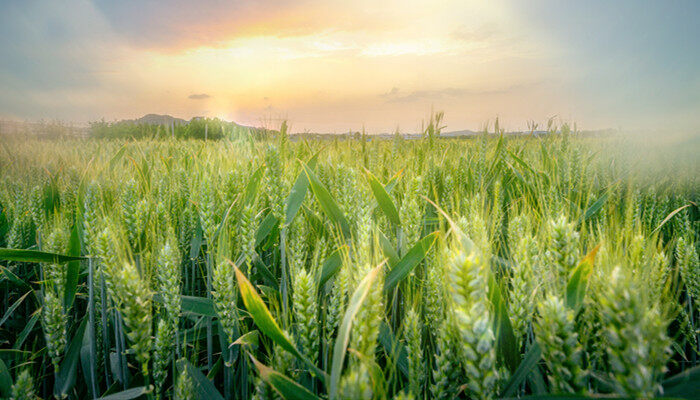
332, 66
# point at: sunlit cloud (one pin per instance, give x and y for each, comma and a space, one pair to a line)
338, 65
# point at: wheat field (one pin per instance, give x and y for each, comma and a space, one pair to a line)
279, 267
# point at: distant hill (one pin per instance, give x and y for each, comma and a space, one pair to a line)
167, 120
465, 132
156, 119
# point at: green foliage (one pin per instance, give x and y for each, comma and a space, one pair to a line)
572, 269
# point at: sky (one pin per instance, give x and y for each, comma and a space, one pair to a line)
335, 66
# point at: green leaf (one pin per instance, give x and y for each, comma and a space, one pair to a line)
685, 385
5, 380
392, 182
383, 199
393, 348
595, 207
222, 224
530, 360
341, 342
324, 198
264, 320
536, 381
251, 188
507, 348
249, 339
414, 256
578, 282
330, 266
4, 225
298, 192
15, 279
562, 397
127, 394
669, 216
196, 242
72, 269
69, 366
263, 270
87, 362
20, 255
268, 224
285, 387
375, 374
521, 162
28, 328
203, 387
117, 157
193, 305
12, 308
388, 249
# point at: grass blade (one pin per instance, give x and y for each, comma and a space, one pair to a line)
505, 338
5, 380
285, 387
383, 199
298, 192
204, 387
72, 269
578, 282
265, 322
251, 190
530, 360
684, 385
388, 249
341, 343
669, 216
12, 308
65, 380
36, 256
324, 198
330, 266
127, 394
414, 256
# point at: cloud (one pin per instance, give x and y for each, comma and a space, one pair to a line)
200, 96
393, 92
58, 57
182, 24
396, 96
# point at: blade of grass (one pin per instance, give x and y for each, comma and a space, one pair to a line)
284, 386
341, 343
578, 282
383, 199
36, 256
328, 205
414, 256
266, 323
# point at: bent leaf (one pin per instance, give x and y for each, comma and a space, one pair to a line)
287, 388
21, 255
330, 267
578, 282
298, 192
264, 320
383, 199
532, 357
203, 386
325, 200
414, 256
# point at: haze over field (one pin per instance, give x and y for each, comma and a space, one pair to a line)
331, 66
